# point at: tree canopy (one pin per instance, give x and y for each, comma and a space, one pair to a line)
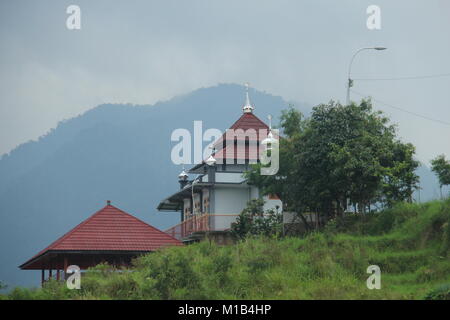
340, 156
441, 167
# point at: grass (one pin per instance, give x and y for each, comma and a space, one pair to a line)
410, 243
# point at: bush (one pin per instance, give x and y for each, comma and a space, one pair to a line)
253, 220
441, 292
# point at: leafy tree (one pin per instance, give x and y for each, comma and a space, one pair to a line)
341, 155
441, 167
285, 183
400, 180
292, 122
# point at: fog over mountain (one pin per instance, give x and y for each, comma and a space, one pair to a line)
116, 152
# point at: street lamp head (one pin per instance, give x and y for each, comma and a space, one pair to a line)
350, 81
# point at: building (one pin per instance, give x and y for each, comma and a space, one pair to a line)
110, 235
211, 202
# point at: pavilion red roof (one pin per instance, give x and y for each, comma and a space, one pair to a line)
110, 229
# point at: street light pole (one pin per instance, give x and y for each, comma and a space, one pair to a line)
349, 80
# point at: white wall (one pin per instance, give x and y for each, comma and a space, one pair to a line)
230, 200
254, 192
197, 204
229, 177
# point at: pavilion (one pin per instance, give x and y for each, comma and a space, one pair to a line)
110, 235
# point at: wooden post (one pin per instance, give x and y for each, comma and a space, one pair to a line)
65, 268
42, 277
57, 274
49, 274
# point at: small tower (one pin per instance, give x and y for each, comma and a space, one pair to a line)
270, 140
247, 107
211, 162
183, 178
211, 203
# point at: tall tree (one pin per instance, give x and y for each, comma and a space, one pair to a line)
341, 155
441, 167
292, 124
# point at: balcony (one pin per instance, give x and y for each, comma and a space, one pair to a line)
200, 224
197, 223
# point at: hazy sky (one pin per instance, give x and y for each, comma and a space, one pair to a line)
144, 51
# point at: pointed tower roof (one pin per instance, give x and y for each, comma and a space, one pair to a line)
109, 229
247, 121
247, 107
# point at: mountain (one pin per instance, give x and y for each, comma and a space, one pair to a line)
112, 152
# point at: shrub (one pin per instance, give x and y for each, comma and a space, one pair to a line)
441, 292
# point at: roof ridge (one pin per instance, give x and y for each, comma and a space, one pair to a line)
237, 120
64, 236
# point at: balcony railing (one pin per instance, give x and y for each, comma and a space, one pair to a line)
197, 223
202, 223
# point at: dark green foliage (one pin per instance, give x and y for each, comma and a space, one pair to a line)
440, 293
441, 168
253, 220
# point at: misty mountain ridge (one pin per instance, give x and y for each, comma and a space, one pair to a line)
117, 152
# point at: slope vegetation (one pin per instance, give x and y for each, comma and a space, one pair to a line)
410, 243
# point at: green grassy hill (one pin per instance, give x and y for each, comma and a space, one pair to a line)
410, 243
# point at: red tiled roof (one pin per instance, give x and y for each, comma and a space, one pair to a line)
111, 229
245, 122
249, 152
249, 121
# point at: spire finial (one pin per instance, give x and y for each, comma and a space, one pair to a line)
183, 175
211, 160
270, 121
247, 107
